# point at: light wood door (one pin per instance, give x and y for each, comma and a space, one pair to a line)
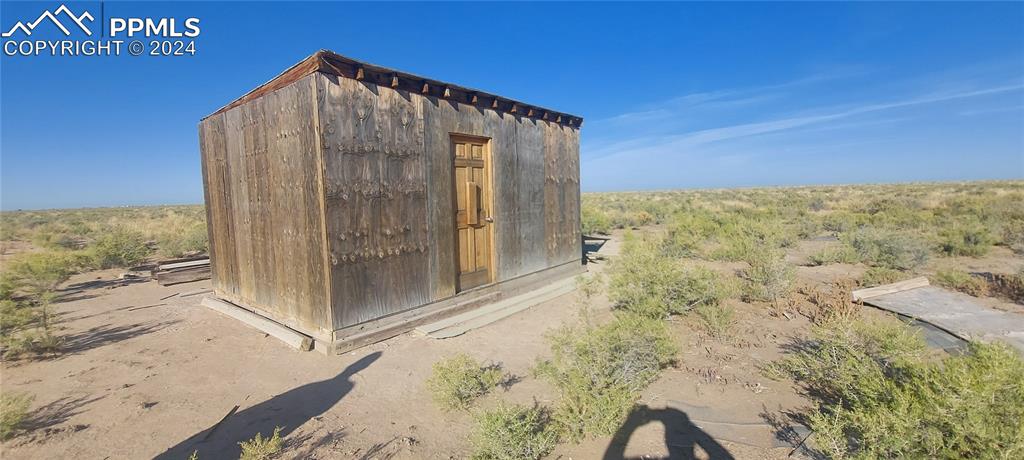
473, 211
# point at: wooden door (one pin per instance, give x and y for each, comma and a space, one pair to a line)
473, 211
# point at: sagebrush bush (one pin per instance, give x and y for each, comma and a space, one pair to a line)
740, 236
1013, 235
16, 319
594, 221
260, 448
119, 247
187, 241
600, 371
880, 397
8, 286
646, 281
838, 255
15, 316
961, 281
965, 239
717, 319
13, 410
769, 277
688, 232
36, 273
842, 222
513, 432
832, 303
457, 381
888, 249
877, 276
58, 239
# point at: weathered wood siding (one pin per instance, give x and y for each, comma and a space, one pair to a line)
330, 204
388, 180
261, 167
372, 141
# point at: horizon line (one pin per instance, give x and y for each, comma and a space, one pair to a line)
658, 190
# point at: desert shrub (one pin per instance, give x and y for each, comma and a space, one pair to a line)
587, 286
260, 448
891, 204
600, 371
965, 239
832, 303
717, 319
687, 233
1013, 235
742, 235
838, 255
513, 432
877, 276
842, 222
190, 240
13, 410
457, 381
879, 397
15, 319
595, 221
14, 316
8, 286
119, 247
961, 281
58, 240
899, 212
37, 273
889, 249
806, 227
644, 280
631, 218
769, 277
733, 248
817, 203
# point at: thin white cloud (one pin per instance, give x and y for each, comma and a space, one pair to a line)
675, 143
1012, 108
719, 99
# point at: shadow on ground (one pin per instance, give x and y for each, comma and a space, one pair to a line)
51, 419
105, 335
78, 291
591, 245
682, 437
288, 410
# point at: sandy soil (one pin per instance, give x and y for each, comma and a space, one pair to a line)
143, 376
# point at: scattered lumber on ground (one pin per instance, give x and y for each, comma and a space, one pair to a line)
182, 272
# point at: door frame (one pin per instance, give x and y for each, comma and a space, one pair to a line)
488, 200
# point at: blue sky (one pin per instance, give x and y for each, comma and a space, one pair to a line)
674, 95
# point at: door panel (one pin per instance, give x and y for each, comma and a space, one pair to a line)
473, 211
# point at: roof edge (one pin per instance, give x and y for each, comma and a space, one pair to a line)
332, 63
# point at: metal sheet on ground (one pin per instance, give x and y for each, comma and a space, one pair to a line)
957, 313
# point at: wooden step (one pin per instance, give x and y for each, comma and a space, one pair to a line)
460, 324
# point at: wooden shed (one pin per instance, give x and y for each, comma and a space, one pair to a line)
351, 202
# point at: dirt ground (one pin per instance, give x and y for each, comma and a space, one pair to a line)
142, 376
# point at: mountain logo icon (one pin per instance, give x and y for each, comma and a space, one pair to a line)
79, 20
